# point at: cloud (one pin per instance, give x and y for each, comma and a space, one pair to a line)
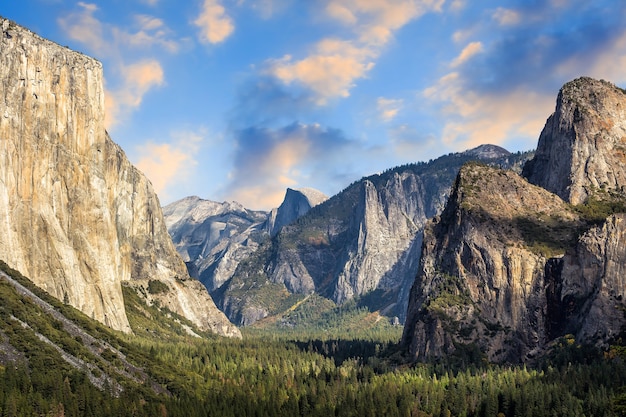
269, 160
151, 32
138, 79
506, 17
388, 108
329, 72
129, 76
473, 118
334, 65
269, 8
405, 142
215, 25
468, 52
82, 26
168, 164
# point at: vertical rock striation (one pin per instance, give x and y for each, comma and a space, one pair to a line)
77, 217
365, 240
510, 266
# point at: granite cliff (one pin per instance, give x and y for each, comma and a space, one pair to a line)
509, 267
77, 217
364, 240
213, 238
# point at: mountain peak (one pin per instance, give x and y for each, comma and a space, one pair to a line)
488, 151
582, 148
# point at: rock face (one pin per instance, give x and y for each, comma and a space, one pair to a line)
77, 217
481, 275
212, 237
365, 239
582, 148
295, 204
510, 266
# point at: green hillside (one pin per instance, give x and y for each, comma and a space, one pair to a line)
58, 362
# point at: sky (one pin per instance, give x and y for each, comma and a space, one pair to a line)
236, 100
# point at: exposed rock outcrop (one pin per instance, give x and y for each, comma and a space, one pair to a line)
77, 217
582, 148
367, 238
509, 267
295, 204
212, 237
481, 275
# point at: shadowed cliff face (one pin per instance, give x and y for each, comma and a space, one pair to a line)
510, 266
77, 217
481, 276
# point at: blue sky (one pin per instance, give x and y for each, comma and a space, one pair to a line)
240, 99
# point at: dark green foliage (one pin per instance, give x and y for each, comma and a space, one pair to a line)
264, 376
596, 209
157, 287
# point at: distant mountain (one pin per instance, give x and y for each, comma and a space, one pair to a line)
295, 204
214, 237
364, 241
509, 267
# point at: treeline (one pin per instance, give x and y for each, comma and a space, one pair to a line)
264, 376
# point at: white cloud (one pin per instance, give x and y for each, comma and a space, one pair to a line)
388, 109
334, 65
506, 17
468, 52
215, 25
169, 164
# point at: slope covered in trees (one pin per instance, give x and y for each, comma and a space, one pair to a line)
168, 367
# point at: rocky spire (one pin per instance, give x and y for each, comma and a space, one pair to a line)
582, 148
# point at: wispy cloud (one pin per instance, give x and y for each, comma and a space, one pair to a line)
467, 53
136, 76
507, 17
170, 163
269, 160
388, 108
334, 65
214, 23
138, 79
502, 87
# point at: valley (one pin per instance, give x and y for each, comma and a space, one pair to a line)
479, 283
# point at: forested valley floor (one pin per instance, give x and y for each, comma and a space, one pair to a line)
76, 367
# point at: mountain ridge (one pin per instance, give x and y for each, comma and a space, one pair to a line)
513, 264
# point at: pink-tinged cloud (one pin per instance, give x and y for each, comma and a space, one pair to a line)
608, 62
467, 53
269, 160
473, 118
215, 25
82, 26
334, 66
167, 164
388, 108
138, 79
329, 72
